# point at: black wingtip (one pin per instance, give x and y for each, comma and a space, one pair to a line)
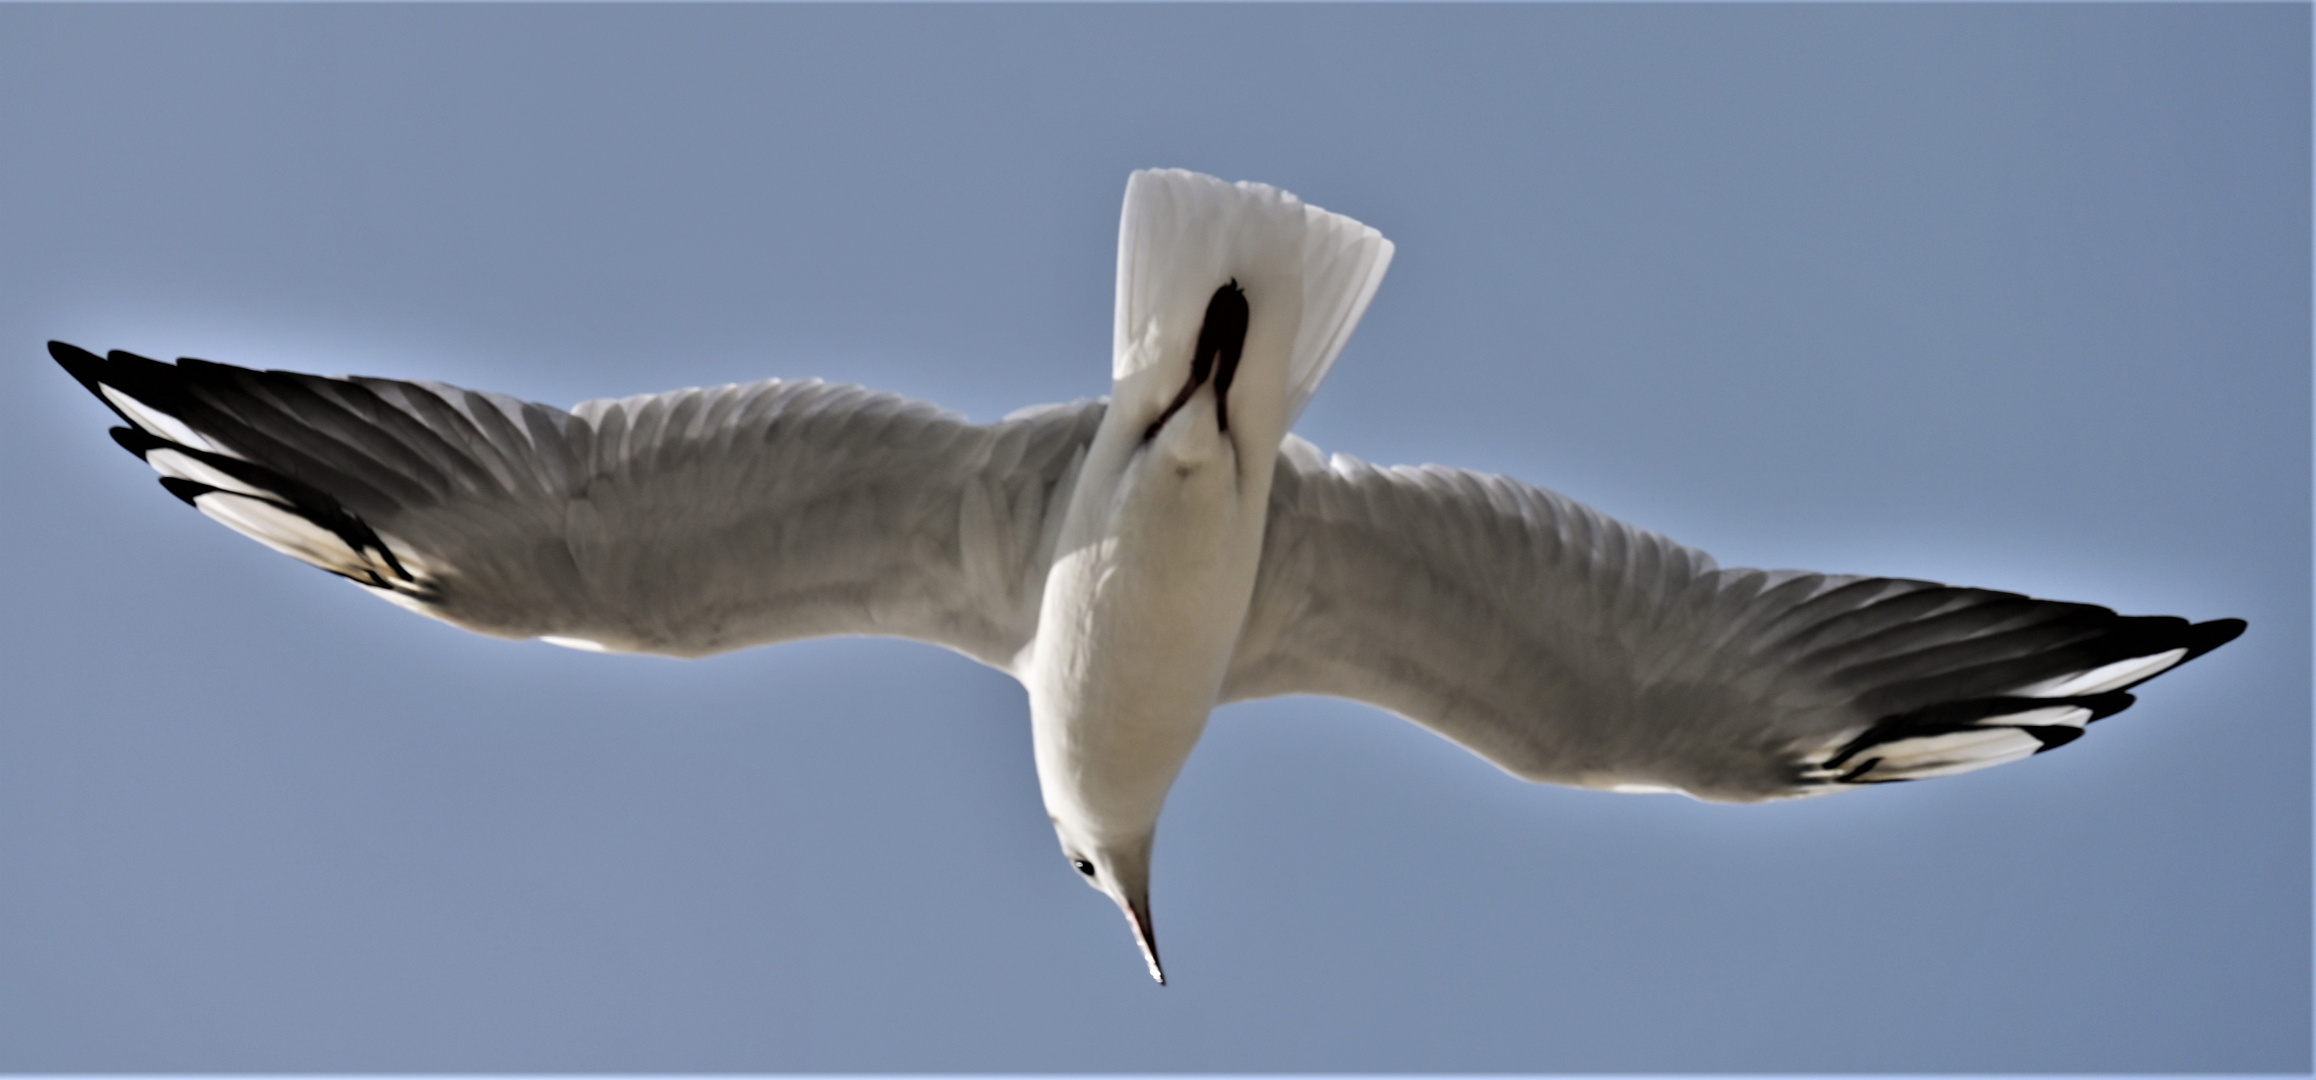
2203, 637
138, 441
186, 490
2052, 736
2105, 705
83, 365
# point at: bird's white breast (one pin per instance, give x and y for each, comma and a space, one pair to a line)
1141, 611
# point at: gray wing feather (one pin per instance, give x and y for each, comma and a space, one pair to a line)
1568, 647
682, 523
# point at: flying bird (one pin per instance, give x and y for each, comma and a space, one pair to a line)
1137, 560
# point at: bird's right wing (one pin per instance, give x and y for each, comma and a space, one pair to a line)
1568, 647
683, 523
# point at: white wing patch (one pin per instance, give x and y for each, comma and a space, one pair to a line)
2113, 676
1880, 755
284, 530
1945, 755
1644, 789
156, 421
2056, 715
581, 644
184, 466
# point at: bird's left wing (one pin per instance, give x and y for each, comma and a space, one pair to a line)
684, 523
1572, 648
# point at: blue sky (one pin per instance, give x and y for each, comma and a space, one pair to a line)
2011, 296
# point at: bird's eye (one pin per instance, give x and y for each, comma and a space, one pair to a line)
1083, 866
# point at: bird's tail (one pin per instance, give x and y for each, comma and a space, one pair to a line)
1184, 235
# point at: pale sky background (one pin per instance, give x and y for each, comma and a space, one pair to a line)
2007, 296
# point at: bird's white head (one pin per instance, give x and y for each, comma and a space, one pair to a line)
1120, 871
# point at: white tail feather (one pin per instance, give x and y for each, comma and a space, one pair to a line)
1183, 234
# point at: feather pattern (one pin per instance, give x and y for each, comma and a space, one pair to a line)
1568, 647
683, 523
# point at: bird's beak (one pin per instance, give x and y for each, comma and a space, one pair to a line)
1138, 913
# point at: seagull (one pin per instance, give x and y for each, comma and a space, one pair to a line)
1137, 560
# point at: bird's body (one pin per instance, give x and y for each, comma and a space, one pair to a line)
1136, 562
1157, 562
